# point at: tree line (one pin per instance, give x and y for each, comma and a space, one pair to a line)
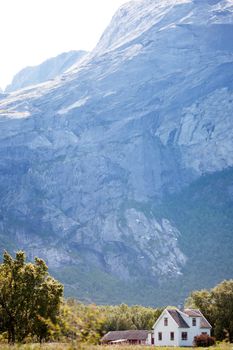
32, 308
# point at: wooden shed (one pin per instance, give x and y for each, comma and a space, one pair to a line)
131, 337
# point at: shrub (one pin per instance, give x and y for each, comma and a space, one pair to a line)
203, 340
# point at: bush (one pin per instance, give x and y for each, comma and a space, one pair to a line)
203, 340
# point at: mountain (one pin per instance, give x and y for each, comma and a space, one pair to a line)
120, 172
45, 71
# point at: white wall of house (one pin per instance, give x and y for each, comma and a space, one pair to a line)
192, 331
149, 339
205, 330
166, 331
190, 337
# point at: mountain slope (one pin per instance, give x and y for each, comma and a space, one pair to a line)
92, 162
45, 71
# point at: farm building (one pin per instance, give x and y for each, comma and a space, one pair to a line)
132, 337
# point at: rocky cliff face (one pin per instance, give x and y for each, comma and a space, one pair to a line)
45, 71
88, 160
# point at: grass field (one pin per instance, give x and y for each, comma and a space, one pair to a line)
60, 346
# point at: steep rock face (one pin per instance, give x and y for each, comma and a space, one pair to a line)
87, 159
45, 71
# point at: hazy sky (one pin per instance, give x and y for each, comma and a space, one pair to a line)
34, 30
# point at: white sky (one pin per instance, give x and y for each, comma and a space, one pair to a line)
34, 30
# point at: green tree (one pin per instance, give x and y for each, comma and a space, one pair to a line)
29, 298
123, 317
88, 323
217, 306
81, 322
222, 296
202, 300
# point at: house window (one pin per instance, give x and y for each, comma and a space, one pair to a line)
204, 333
160, 336
172, 336
165, 321
184, 336
194, 322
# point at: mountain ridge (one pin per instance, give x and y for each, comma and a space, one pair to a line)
47, 70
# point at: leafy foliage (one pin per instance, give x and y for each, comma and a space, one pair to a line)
29, 298
88, 323
124, 317
81, 322
217, 305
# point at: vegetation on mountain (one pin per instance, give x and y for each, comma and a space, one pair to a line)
203, 213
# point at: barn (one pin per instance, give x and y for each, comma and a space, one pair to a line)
131, 337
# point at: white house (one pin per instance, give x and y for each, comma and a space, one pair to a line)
178, 328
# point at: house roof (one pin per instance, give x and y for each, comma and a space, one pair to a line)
193, 312
205, 323
175, 314
197, 313
125, 335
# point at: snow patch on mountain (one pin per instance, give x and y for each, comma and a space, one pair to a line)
74, 105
